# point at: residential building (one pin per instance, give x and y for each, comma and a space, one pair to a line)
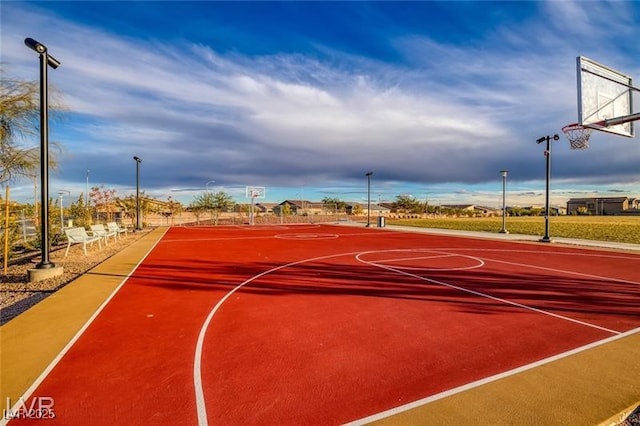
602, 206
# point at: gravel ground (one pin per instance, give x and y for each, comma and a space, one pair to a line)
17, 295
633, 419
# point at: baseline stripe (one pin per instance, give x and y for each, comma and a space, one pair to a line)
468, 386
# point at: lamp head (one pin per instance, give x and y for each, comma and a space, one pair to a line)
137, 159
35, 45
41, 49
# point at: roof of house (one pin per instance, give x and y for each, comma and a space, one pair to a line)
603, 199
297, 203
374, 206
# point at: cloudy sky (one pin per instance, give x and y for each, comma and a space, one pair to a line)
304, 98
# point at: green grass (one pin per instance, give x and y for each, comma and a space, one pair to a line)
623, 229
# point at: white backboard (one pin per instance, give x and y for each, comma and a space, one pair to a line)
603, 94
256, 192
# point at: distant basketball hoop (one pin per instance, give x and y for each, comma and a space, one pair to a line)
577, 135
254, 193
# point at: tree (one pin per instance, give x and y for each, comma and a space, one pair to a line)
172, 208
79, 212
103, 200
214, 203
407, 204
340, 205
128, 206
19, 122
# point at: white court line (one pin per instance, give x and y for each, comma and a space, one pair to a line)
580, 274
180, 240
544, 268
201, 405
477, 383
77, 336
403, 259
478, 293
438, 255
197, 369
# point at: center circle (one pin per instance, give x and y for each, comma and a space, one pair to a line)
420, 260
306, 236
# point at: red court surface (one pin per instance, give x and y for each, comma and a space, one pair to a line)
321, 324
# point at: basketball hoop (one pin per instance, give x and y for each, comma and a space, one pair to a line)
577, 135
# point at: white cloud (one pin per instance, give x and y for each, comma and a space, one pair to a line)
450, 113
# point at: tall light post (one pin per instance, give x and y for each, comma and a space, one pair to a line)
547, 154
207, 184
46, 61
138, 161
61, 194
368, 175
504, 201
86, 195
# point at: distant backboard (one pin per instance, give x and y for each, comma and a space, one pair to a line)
604, 94
256, 192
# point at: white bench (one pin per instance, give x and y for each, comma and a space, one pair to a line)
102, 232
114, 227
80, 236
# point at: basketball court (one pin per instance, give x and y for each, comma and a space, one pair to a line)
326, 324
331, 324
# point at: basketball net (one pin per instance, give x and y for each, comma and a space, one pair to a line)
577, 135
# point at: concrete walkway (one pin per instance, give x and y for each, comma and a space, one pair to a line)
506, 237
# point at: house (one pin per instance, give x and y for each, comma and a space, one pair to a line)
294, 206
265, 208
376, 209
602, 206
472, 208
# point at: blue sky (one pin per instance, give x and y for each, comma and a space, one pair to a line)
304, 98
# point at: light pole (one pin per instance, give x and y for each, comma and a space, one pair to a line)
86, 195
504, 200
368, 175
46, 61
138, 161
547, 154
61, 194
207, 184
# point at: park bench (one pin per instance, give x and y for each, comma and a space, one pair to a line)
102, 232
114, 227
80, 236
